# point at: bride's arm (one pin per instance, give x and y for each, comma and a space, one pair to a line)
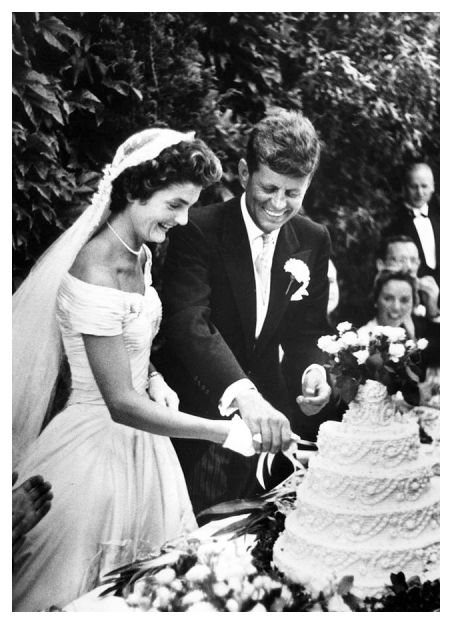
109, 362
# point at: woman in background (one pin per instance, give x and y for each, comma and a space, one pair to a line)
395, 297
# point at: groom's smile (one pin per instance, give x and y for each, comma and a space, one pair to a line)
272, 198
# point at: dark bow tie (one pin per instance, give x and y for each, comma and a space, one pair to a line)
417, 212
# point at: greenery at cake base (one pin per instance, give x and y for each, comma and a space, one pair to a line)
215, 575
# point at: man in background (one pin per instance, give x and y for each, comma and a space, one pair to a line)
419, 218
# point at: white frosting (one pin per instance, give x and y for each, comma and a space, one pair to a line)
369, 503
377, 412
391, 446
337, 484
305, 560
374, 527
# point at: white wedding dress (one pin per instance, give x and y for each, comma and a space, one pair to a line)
119, 492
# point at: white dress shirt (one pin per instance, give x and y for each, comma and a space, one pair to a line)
227, 404
425, 231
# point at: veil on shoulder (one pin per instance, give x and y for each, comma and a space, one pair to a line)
37, 344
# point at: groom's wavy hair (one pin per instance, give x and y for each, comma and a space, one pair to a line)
287, 142
186, 162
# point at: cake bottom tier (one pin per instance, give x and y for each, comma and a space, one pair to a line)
314, 563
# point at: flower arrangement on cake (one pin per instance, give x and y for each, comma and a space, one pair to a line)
383, 353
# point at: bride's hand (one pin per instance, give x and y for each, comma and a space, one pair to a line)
161, 393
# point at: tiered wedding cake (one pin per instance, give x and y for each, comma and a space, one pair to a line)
368, 505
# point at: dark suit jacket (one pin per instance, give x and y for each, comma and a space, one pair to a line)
209, 312
425, 328
403, 224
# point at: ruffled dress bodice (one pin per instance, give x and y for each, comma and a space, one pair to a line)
84, 308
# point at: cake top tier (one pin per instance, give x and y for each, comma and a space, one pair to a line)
372, 407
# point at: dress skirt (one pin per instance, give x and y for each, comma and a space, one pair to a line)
119, 494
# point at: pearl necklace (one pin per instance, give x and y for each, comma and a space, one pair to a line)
135, 253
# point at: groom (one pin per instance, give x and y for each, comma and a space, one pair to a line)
229, 305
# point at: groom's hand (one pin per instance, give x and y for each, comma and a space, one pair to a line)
261, 417
315, 392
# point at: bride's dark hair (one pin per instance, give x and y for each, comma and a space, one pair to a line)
186, 162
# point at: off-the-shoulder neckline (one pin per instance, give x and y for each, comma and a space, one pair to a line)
117, 290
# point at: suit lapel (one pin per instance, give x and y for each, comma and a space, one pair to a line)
288, 246
414, 234
238, 263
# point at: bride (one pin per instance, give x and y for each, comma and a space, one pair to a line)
118, 488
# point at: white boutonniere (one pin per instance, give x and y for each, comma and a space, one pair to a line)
299, 272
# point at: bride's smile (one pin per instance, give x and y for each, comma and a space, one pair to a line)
153, 218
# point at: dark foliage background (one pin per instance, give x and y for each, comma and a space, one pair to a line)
82, 82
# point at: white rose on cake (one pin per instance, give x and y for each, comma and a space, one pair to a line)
361, 355
396, 351
422, 343
329, 344
393, 334
343, 327
350, 338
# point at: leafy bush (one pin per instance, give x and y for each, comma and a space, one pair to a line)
82, 82
74, 95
